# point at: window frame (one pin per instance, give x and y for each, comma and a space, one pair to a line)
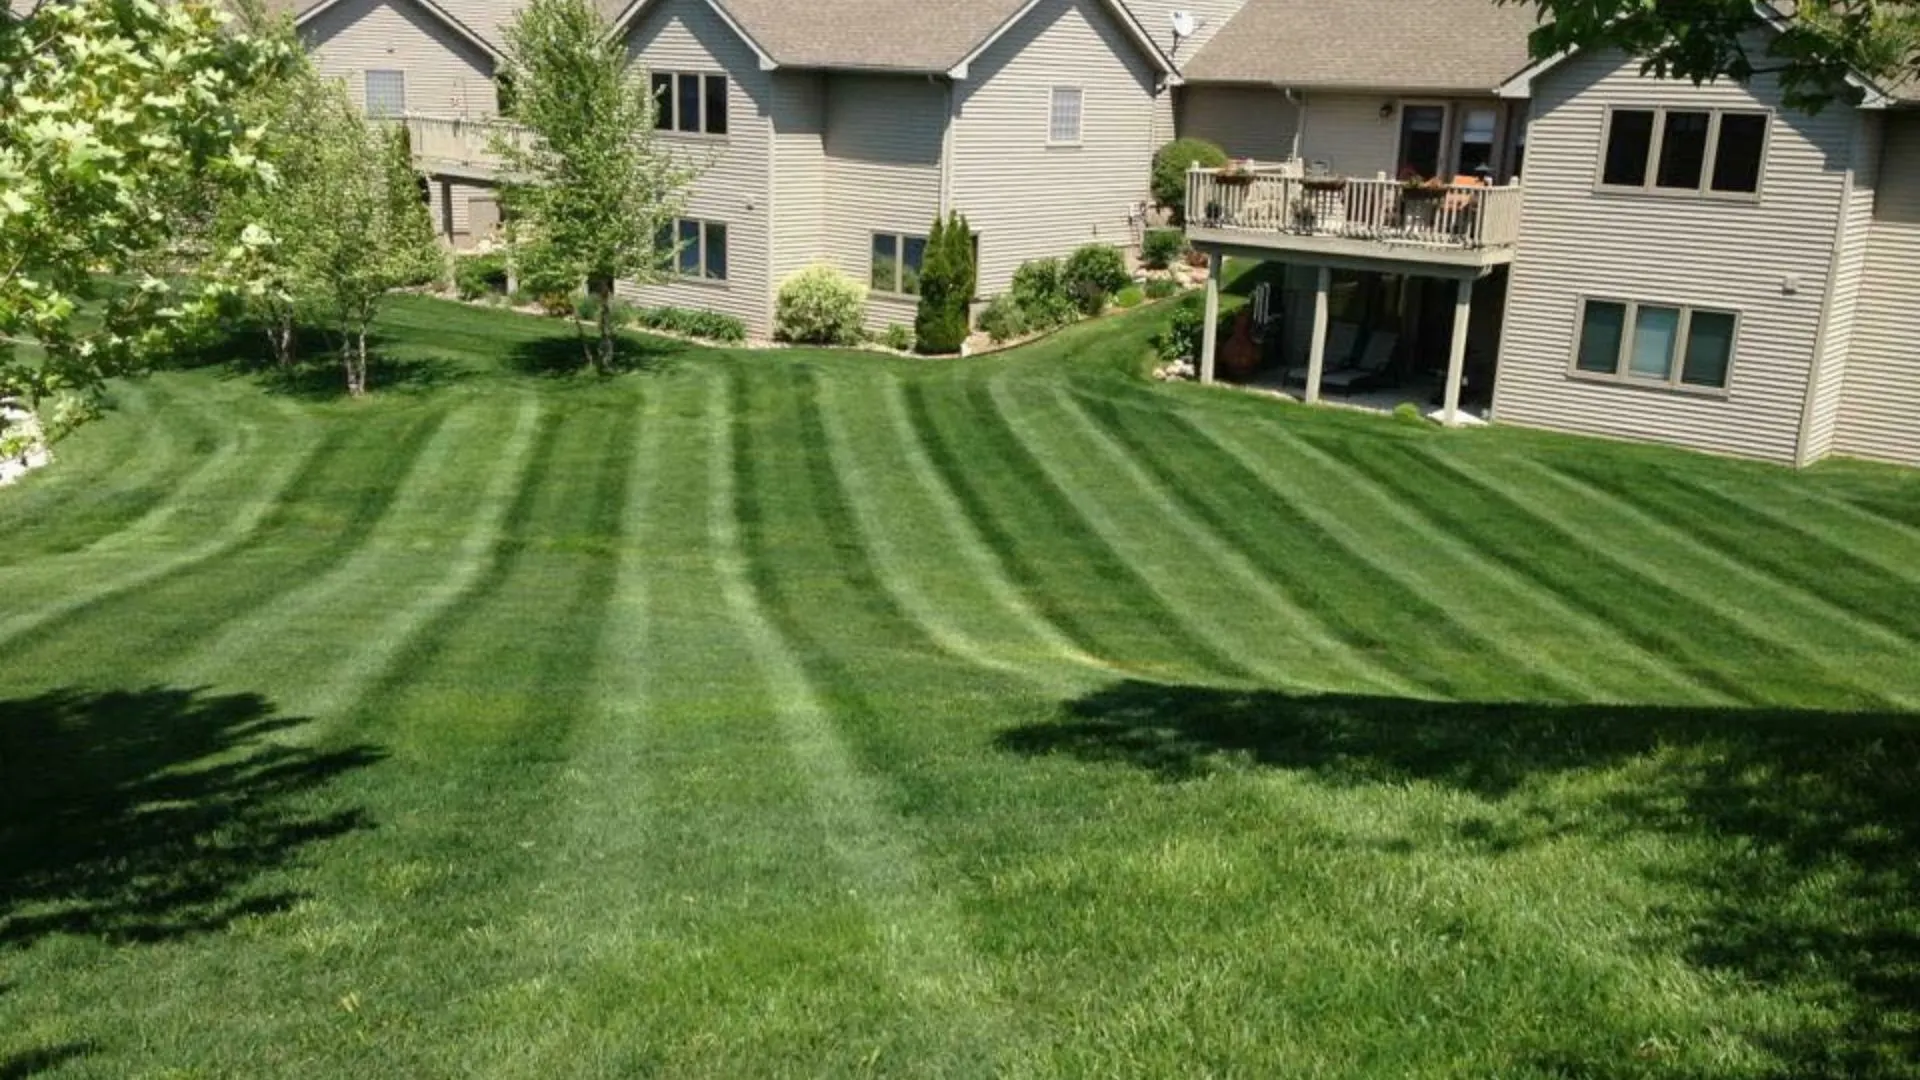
670, 259
1079, 117
366, 91
1622, 375
899, 260
670, 110
1656, 145
1448, 153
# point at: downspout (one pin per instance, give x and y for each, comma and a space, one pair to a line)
1299, 119
946, 149
1802, 452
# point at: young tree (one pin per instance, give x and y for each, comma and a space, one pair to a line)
117, 121
947, 279
1818, 47
590, 188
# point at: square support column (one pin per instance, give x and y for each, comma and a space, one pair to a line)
1210, 331
1457, 356
1317, 347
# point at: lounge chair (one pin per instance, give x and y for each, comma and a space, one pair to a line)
1341, 337
1370, 370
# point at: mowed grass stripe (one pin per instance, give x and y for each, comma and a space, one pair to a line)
1373, 606
944, 983
1066, 570
1890, 547
1733, 653
1568, 645
278, 538
900, 534
1845, 588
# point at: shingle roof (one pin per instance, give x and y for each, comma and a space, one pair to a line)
902, 35
1427, 45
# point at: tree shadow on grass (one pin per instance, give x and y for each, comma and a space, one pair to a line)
317, 374
155, 814
43, 1060
1812, 820
559, 355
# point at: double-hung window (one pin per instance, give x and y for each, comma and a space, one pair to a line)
386, 93
695, 249
690, 102
897, 259
1065, 115
1704, 151
1657, 344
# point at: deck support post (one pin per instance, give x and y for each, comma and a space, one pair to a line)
1210, 330
1317, 346
1457, 356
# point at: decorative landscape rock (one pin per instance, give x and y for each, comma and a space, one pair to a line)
23, 445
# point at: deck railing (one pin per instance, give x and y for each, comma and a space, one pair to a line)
1277, 199
451, 141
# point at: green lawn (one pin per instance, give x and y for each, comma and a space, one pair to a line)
804, 715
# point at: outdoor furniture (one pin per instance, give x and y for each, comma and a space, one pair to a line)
1368, 371
1341, 337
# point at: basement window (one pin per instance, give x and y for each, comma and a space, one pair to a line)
1655, 344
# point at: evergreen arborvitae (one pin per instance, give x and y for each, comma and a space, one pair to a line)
947, 278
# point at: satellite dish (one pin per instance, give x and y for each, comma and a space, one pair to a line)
1184, 24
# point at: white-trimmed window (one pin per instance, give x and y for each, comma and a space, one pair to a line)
386, 93
1699, 151
690, 102
1655, 344
1064, 115
897, 259
695, 249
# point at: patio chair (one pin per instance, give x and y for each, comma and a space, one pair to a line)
1341, 337
1370, 370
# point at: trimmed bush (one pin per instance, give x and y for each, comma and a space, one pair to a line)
587, 306
1160, 247
706, 325
1183, 337
1170, 167
946, 288
1093, 274
1003, 320
1130, 297
474, 276
1161, 288
820, 306
1040, 292
899, 338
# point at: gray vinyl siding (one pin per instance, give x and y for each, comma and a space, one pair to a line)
446, 75
1247, 121
1850, 262
799, 172
1767, 260
733, 184
883, 148
1880, 402
1025, 198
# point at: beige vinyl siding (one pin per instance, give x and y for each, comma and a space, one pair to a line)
1025, 198
1850, 261
800, 171
1156, 17
1166, 124
1767, 260
446, 75
1247, 121
1346, 132
732, 187
883, 147
457, 195
1880, 402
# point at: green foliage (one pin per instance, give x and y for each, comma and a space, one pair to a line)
898, 337
707, 325
597, 189
1003, 320
1170, 165
1408, 413
947, 278
1092, 275
1161, 288
1184, 335
1160, 248
1130, 297
121, 130
475, 276
1040, 292
820, 306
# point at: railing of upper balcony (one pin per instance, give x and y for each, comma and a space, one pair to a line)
1279, 199
448, 141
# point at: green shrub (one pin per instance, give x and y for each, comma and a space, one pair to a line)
1160, 247
706, 325
1170, 167
1004, 320
1130, 297
1183, 337
1408, 413
587, 306
1161, 288
898, 338
1040, 291
475, 276
946, 288
820, 306
1093, 274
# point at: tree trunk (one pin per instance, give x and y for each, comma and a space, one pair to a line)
605, 291
354, 353
281, 336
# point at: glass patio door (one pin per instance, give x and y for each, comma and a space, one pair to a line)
1423, 130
